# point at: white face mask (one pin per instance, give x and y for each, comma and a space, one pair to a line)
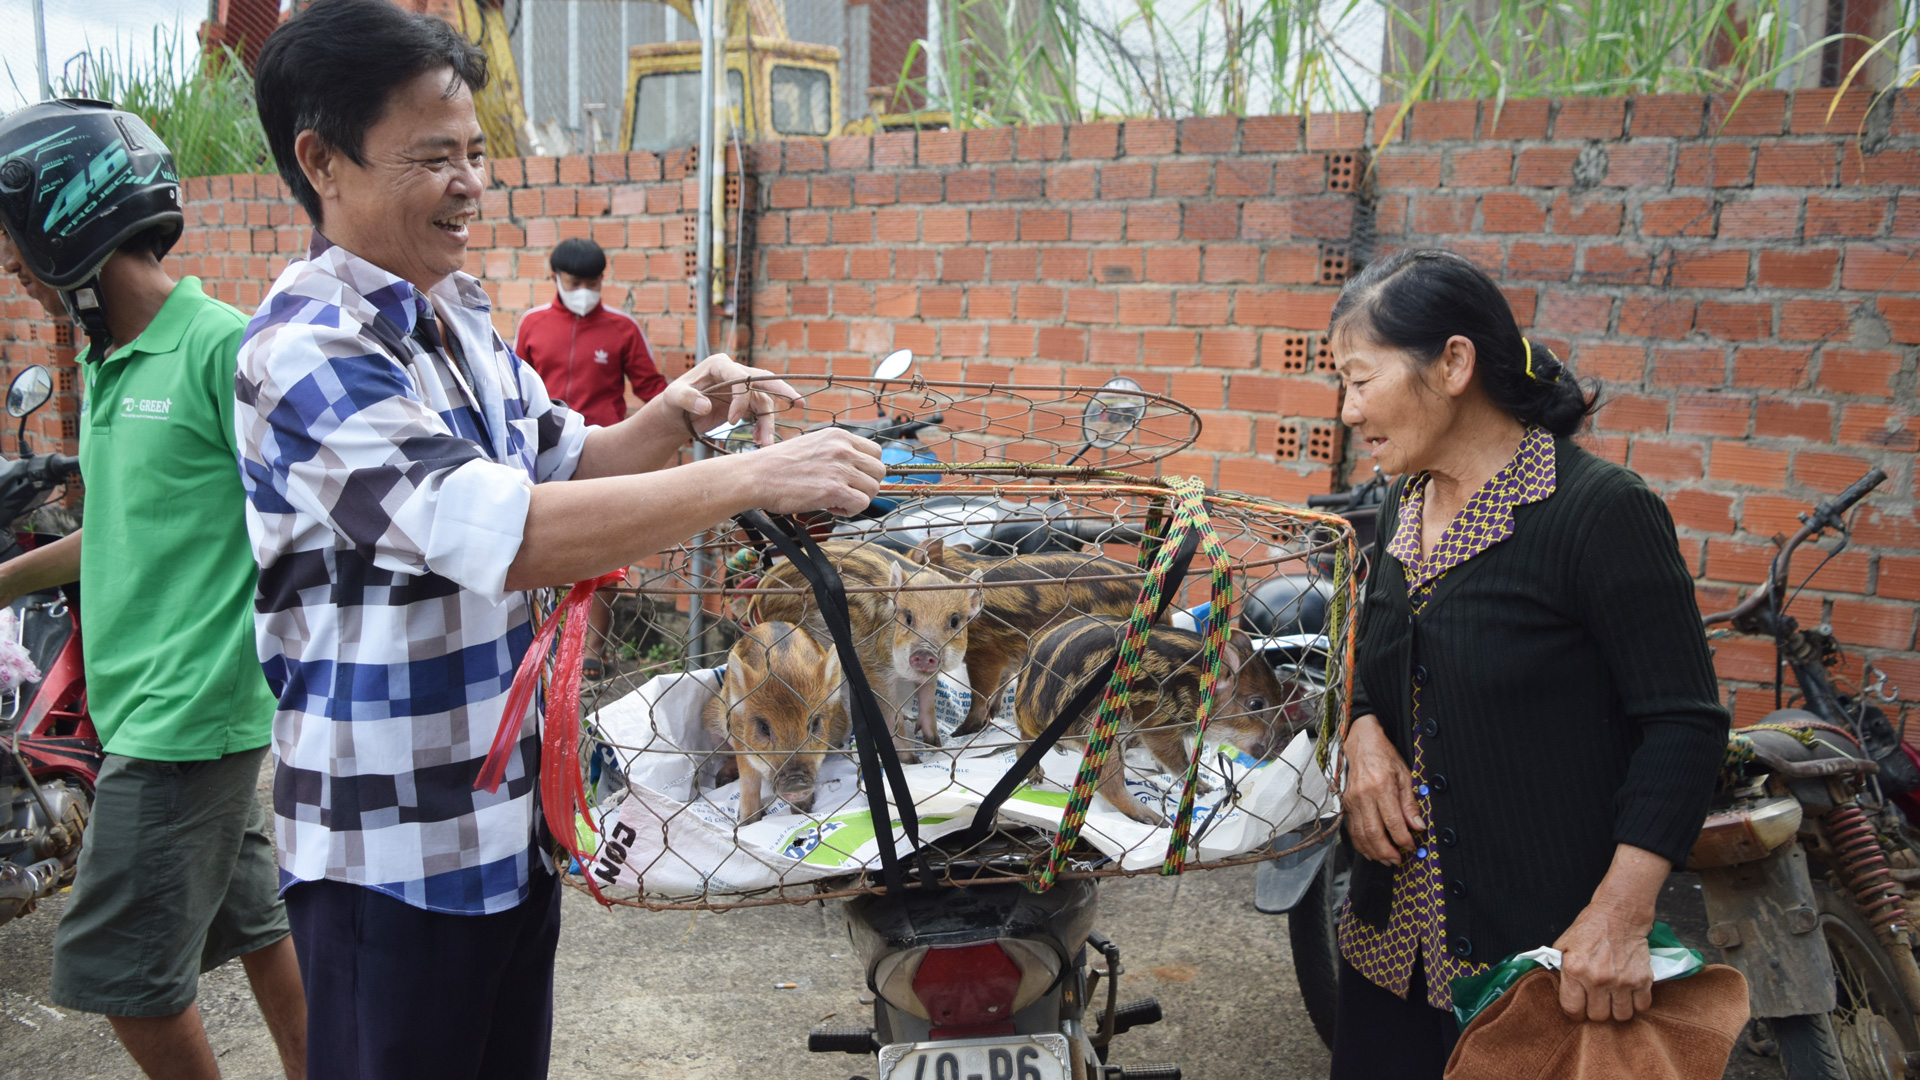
580, 301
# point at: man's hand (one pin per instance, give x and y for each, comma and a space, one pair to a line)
1606, 969
44, 567
830, 469
1382, 814
761, 399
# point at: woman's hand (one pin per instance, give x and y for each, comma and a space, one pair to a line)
1382, 814
1606, 970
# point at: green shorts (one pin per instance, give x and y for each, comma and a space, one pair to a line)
177, 876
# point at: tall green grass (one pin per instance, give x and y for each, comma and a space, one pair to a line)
1034, 61
202, 108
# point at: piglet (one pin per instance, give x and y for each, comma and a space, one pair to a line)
1254, 710
779, 709
906, 635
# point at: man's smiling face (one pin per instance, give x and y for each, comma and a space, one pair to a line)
406, 209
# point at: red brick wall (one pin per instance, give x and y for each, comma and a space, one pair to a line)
1748, 296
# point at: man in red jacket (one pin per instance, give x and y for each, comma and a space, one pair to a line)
586, 354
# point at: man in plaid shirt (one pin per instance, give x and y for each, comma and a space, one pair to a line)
408, 480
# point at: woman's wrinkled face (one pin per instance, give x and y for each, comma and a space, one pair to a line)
1389, 404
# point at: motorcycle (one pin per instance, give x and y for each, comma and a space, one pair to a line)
990, 981
52, 753
1805, 858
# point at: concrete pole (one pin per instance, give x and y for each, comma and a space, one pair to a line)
40, 49
573, 66
936, 54
712, 82
526, 67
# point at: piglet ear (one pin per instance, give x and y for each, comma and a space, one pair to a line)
929, 552
896, 577
830, 667
1229, 674
976, 596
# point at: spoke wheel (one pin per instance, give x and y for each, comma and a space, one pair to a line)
1872, 1023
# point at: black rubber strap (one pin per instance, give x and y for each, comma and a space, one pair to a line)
1088, 693
872, 739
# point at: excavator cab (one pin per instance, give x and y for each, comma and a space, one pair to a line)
776, 89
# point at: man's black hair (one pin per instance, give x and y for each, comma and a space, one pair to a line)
331, 68
580, 257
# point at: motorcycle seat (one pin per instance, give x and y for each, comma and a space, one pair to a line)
1798, 735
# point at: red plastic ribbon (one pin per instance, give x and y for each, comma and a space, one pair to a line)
562, 790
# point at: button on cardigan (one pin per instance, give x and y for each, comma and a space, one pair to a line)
1576, 703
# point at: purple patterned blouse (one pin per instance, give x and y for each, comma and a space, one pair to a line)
1417, 926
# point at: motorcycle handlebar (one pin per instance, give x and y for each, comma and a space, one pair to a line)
59, 467
1829, 512
883, 430
1825, 515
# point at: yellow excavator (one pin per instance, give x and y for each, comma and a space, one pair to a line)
776, 87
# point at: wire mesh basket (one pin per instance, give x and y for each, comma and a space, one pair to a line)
1019, 581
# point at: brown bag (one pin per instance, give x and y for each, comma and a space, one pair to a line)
1688, 1034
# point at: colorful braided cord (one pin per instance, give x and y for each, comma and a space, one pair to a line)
1194, 509
1189, 513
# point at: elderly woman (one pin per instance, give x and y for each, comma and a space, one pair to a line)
1537, 727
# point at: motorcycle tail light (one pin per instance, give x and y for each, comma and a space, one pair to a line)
967, 986
968, 989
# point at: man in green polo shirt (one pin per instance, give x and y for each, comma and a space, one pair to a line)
177, 872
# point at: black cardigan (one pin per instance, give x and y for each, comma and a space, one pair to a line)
1575, 702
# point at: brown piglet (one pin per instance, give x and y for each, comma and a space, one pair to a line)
906, 636
1253, 709
779, 710
1025, 595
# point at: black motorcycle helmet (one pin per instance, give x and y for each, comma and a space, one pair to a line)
79, 179
1295, 604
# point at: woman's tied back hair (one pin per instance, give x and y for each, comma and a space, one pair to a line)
1415, 300
331, 68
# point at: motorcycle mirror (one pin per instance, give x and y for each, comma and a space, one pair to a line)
895, 365
30, 390
734, 437
1115, 410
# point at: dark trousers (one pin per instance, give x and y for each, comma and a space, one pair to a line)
397, 991
1377, 1035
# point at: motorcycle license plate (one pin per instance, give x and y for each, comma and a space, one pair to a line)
1020, 1057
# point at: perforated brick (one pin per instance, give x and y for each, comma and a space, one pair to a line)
1286, 442
1323, 443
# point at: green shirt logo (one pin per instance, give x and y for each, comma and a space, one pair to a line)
132, 408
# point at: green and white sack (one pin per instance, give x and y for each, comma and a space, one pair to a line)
1471, 995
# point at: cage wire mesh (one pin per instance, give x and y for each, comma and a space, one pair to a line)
995, 577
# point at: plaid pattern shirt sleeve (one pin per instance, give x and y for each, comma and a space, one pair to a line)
387, 492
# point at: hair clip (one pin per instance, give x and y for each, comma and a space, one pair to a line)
1527, 344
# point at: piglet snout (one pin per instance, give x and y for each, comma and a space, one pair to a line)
795, 787
924, 661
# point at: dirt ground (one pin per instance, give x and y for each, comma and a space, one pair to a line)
674, 996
